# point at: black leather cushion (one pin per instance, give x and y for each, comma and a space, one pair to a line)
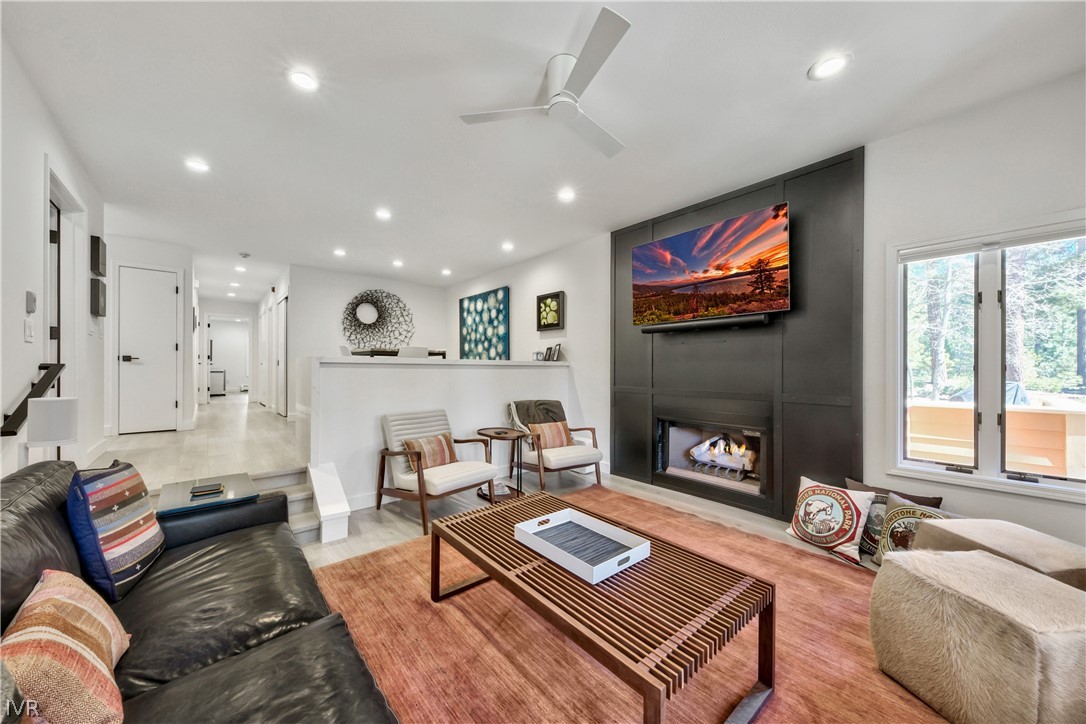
34, 531
204, 601
312, 674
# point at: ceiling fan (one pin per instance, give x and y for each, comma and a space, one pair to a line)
567, 78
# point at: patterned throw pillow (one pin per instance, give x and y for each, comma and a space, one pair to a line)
61, 649
899, 528
114, 526
436, 450
869, 541
831, 518
552, 434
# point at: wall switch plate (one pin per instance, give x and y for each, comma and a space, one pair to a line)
28, 330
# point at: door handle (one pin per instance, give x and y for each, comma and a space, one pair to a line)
128, 358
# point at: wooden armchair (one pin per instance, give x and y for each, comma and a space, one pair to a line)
421, 484
554, 459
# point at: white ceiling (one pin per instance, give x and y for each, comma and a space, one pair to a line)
707, 97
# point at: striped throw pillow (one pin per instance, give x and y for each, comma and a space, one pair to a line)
552, 434
114, 526
436, 450
61, 649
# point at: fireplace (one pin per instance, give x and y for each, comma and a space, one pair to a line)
703, 457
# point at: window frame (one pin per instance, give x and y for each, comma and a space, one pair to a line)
989, 400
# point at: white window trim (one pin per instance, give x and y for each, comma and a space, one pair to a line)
988, 477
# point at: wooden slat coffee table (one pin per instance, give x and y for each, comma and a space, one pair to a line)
654, 625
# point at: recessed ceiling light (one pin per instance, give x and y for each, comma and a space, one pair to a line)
239, 268
234, 284
198, 165
397, 262
237, 320
446, 272
304, 80
507, 246
383, 214
340, 252
231, 294
566, 194
829, 66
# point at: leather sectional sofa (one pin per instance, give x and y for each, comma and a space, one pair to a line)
227, 625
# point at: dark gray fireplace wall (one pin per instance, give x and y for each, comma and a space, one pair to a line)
805, 365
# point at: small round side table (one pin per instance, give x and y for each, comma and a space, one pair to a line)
514, 437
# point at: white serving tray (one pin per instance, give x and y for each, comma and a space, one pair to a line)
592, 568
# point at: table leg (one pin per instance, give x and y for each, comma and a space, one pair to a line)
437, 593
759, 694
655, 706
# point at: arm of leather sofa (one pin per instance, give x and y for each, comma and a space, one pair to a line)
187, 528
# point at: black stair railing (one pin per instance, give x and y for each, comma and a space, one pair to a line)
15, 421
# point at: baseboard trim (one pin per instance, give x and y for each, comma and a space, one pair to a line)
362, 500
93, 452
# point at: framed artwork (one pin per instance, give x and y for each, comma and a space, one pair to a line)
484, 325
550, 311
549, 356
557, 357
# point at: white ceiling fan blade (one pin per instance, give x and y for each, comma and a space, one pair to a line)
595, 134
605, 34
489, 116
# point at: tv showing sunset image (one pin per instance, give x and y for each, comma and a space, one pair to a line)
737, 266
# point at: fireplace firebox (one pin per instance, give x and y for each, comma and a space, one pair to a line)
696, 454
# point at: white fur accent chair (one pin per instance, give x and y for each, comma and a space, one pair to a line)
435, 482
979, 638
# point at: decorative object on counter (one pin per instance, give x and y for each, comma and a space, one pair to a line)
391, 353
831, 518
550, 311
549, 356
538, 356
484, 325
557, 353
377, 318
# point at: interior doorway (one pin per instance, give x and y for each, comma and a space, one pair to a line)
229, 354
281, 357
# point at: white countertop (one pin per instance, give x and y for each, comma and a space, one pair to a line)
432, 362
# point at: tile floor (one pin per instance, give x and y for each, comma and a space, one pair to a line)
232, 435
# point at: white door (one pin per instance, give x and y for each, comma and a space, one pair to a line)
281, 357
262, 352
147, 346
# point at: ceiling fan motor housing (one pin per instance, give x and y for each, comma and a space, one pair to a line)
558, 69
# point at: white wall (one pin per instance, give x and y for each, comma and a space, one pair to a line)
33, 149
583, 271
128, 251
317, 300
230, 343
1010, 161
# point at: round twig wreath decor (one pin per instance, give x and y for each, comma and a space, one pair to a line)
393, 326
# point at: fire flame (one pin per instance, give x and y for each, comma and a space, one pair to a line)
723, 447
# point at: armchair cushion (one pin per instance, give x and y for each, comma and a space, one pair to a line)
552, 434
453, 476
435, 450
570, 456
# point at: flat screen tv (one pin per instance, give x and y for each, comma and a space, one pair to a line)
733, 267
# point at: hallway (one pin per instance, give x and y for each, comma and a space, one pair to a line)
232, 435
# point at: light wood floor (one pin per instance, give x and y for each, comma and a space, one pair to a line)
232, 435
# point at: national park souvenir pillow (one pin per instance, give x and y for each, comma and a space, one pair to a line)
831, 518
869, 540
114, 527
899, 527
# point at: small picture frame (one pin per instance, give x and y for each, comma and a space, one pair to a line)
557, 353
550, 311
549, 356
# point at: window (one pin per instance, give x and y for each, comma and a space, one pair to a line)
993, 358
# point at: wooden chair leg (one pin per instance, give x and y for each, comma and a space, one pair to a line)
380, 478
490, 485
425, 514
542, 474
599, 480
